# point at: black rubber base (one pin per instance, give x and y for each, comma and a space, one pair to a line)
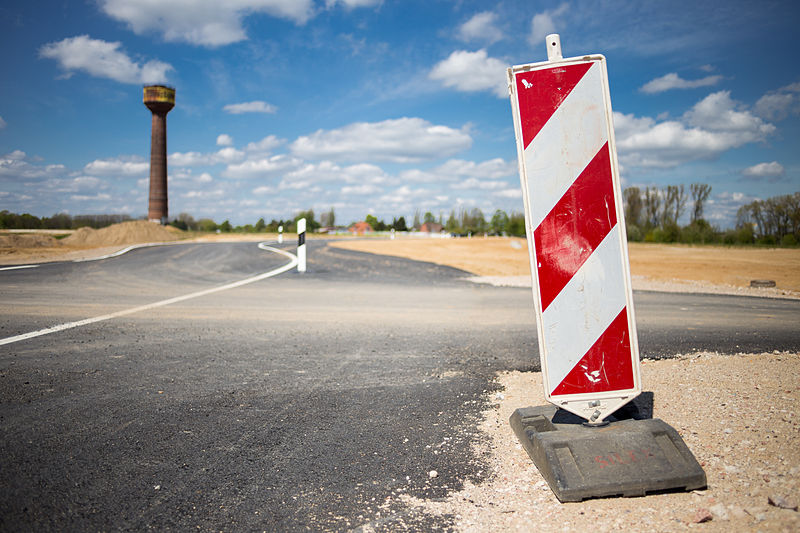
627, 457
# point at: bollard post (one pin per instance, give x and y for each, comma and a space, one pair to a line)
280, 234
301, 245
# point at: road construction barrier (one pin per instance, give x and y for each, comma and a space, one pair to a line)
576, 233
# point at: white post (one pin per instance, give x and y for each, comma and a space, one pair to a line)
301, 245
553, 47
280, 234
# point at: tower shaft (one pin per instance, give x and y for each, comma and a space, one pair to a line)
158, 210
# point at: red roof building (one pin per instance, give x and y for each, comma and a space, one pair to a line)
360, 228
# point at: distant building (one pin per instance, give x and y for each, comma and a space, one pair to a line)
360, 228
431, 227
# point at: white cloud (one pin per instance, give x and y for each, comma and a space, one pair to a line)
544, 24
352, 4
764, 170
2, 123
256, 106
718, 112
265, 145
89, 198
125, 166
103, 59
225, 155
475, 183
673, 81
513, 192
224, 140
712, 126
202, 22
481, 27
780, 104
265, 189
459, 170
472, 71
205, 195
16, 166
400, 140
262, 168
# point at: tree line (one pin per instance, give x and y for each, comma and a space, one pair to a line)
652, 214
10, 220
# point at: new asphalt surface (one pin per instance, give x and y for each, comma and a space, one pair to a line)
301, 401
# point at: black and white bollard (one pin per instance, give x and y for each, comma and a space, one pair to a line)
301, 245
280, 234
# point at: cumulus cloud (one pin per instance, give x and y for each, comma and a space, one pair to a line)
202, 22
459, 170
103, 59
778, 105
673, 81
225, 155
471, 72
262, 167
714, 125
481, 27
330, 172
224, 140
544, 24
125, 166
15, 165
400, 140
265, 145
764, 170
256, 106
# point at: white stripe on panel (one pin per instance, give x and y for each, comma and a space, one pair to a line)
590, 301
566, 144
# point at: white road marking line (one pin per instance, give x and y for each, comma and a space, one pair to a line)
20, 266
126, 250
69, 325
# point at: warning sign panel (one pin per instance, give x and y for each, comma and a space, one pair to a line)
576, 234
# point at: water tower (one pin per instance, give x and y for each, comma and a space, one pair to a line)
159, 99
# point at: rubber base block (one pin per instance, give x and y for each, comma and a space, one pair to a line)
627, 457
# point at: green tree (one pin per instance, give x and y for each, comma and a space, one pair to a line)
499, 222
452, 223
400, 224
372, 220
260, 225
311, 223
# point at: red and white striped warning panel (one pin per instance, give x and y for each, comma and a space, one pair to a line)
576, 235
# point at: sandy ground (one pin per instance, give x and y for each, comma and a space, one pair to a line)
744, 432
737, 413
676, 268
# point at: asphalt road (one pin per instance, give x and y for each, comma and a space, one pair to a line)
301, 401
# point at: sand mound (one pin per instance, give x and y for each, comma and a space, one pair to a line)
28, 241
133, 232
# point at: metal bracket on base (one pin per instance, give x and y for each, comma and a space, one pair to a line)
627, 457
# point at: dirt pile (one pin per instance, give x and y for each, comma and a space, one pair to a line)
133, 232
35, 240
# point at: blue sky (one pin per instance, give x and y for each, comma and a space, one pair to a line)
375, 106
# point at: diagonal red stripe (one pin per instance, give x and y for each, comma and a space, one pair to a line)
607, 366
540, 92
575, 226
